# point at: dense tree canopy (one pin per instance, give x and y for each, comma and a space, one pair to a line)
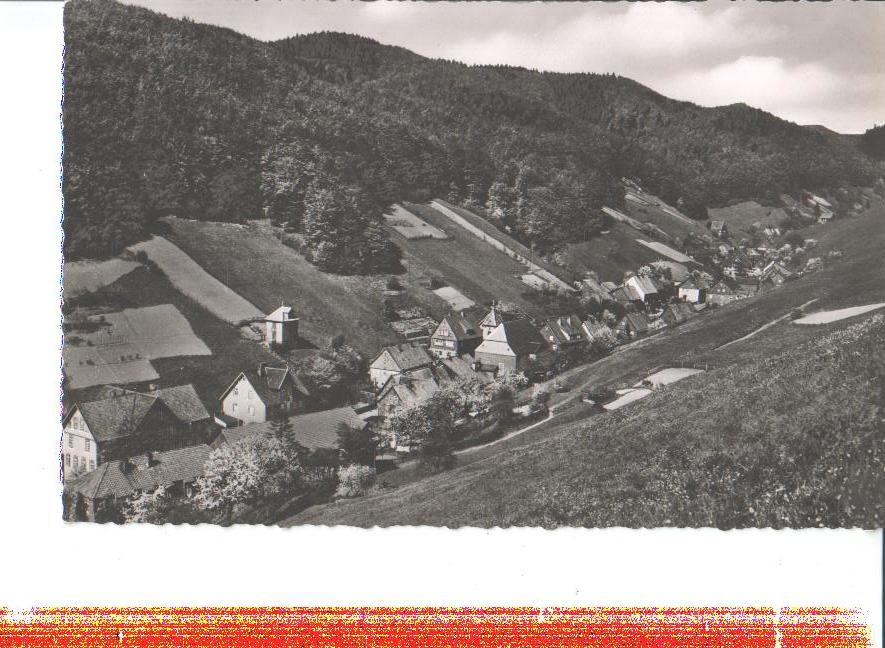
323, 131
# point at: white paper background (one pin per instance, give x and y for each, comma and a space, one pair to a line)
49, 563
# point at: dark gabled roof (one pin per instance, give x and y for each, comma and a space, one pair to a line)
621, 294
522, 337
111, 479
461, 328
637, 320
407, 356
116, 417
722, 287
462, 367
267, 382
681, 311
313, 431
184, 403
496, 316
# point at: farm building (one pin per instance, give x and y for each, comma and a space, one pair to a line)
281, 327
690, 292
677, 313
593, 331
643, 289
397, 360
721, 293
127, 423
262, 394
746, 286
454, 336
407, 390
563, 331
175, 470
510, 346
632, 325
719, 228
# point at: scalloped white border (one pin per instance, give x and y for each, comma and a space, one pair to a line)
49, 563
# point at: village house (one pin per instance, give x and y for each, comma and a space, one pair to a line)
397, 360
594, 331
721, 293
643, 290
510, 346
690, 292
561, 332
127, 423
281, 327
746, 286
719, 229
454, 336
262, 394
774, 275
462, 368
176, 470
677, 313
408, 390
632, 325
493, 319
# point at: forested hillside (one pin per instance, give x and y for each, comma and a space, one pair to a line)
323, 131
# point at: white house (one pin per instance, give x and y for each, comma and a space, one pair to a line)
281, 326
691, 293
397, 360
257, 396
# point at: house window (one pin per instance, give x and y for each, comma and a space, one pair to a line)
236, 391
67, 460
86, 444
235, 408
70, 441
76, 462
251, 410
91, 464
249, 395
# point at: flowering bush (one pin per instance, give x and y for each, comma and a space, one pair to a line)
354, 480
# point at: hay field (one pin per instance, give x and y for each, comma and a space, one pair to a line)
192, 280
120, 351
89, 276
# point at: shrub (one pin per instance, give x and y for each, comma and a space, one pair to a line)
354, 480
436, 283
141, 256
394, 284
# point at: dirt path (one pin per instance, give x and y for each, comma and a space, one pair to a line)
763, 327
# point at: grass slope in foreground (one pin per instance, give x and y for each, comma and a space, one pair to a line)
795, 439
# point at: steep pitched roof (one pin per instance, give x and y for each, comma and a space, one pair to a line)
407, 356
646, 284
116, 417
461, 328
522, 337
267, 382
112, 479
313, 431
282, 314
638, 321
680, 312
184, 403
495, 317
462, 367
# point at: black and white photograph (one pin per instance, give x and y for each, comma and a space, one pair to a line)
485, 264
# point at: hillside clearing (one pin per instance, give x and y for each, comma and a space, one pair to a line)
609, 255
89, 276
825, 317
741, 216
188, 277
120, 350
258, 266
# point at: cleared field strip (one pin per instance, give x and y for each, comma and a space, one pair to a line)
667, 251
621, 217
658, 379
192, 280
456, 300
89, 276
121, 350
764, 326
825, 317
507, 248
409, 225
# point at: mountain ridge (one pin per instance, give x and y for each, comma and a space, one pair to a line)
165, 116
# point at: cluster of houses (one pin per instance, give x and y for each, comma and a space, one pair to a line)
123, 441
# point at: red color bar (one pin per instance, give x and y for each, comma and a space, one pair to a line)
430, 627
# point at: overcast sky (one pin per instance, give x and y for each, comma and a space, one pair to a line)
812, 63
